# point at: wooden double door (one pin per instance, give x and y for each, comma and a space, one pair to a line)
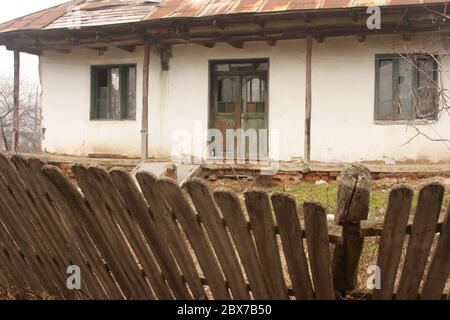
239, 101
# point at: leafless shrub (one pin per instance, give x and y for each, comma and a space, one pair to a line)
29, 116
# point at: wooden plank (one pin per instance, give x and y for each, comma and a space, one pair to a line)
423, 231
392, 238
352, 206
308, 100
23, 236
169, 231
128, 224
52, 228
16, 120
319, 250
78, 217
13, 264
109, 237
188, 220
210, 216
145, 90
237, 224
18, 223
290, 229
261, 220
439, 270
139, 209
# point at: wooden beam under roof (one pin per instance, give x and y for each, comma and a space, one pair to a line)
234, 30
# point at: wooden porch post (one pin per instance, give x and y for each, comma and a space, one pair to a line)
145, 90
308, 103
15, 133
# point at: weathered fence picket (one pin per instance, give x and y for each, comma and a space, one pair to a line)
152, 240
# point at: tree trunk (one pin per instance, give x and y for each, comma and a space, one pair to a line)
5, 140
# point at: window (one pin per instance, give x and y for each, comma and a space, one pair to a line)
406, 87
113, 92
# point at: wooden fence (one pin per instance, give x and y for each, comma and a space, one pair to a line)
152, 240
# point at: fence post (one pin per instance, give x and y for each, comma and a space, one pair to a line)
352, 206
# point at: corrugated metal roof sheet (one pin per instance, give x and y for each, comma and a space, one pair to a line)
107, 12
87, 16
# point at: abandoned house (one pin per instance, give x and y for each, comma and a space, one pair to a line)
147, 78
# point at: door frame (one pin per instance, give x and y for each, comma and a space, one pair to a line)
211, 85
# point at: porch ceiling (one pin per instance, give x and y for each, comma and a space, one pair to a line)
107, 23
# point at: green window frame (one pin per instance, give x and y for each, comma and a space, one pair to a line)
113, 92
399, 90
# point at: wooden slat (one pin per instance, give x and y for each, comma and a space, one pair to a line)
138, 208
17, 204
290, 231
352, 206
99, 196
170, 232
392, 238
210, 216
423, 231
196, 236
319, 250
235, 220
22, 203
128, 224
439, 270
51, 225
16, 269
261, 220
79, 219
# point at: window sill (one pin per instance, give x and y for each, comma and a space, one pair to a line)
404, 122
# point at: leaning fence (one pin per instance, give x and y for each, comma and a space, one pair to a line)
147, 238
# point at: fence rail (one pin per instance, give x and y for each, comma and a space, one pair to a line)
153, 240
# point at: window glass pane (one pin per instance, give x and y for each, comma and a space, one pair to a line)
404, 92
114, 105
101, 104
427, 88
385, 91
131, 93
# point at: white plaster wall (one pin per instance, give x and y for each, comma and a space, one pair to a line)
66, 86
343, 127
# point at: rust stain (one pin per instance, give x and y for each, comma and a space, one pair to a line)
167, 9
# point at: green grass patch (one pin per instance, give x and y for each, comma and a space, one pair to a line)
327, 195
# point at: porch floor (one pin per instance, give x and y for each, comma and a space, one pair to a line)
284, 166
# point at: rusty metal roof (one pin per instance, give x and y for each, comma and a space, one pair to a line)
106, 12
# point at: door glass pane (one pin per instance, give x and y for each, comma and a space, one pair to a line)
255, 95
385, 106
114, 105
264, 66
228, 94
131, 93
222, 67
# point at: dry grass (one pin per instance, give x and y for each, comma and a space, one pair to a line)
11, 293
